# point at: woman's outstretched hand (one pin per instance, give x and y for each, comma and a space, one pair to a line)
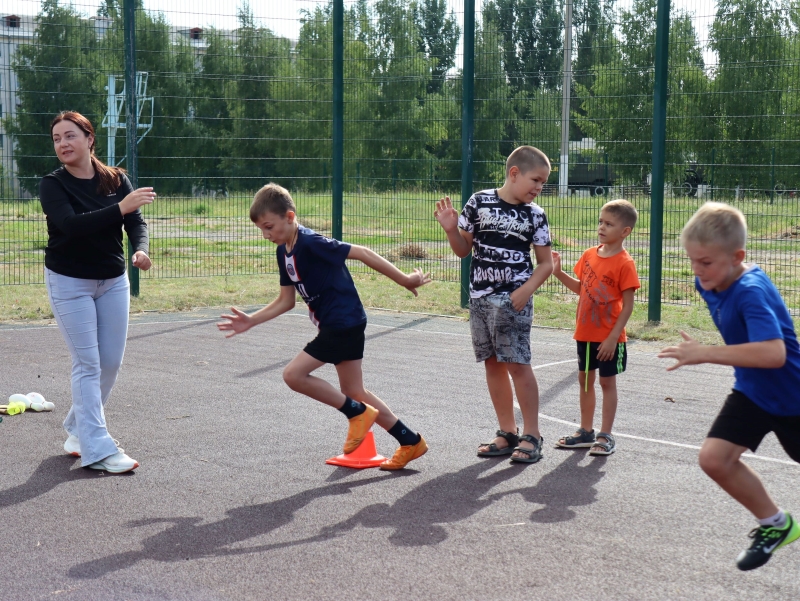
137, 198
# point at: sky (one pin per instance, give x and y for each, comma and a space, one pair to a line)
282, 16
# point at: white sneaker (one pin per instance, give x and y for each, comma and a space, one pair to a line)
116, 464
73, 446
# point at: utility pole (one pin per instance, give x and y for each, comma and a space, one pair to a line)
563, 168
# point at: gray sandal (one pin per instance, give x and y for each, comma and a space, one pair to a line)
584, 439
607, 447
534, 454
494, 450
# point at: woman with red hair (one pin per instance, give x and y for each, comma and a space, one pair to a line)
87, 205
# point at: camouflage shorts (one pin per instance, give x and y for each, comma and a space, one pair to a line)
498, 329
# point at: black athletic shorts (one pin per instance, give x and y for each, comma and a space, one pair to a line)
335, 346
612, 367
744, 423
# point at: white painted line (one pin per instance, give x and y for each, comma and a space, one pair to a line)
554, 363
666, 442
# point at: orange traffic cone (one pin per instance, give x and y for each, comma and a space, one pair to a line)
366, 455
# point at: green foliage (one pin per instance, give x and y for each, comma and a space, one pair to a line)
754, 92
50, 81
248, 106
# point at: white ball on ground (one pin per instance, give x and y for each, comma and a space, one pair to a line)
38, 403
20, 398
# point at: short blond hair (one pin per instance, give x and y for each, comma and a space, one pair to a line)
623, 210
526, 158
272, 198
716, 224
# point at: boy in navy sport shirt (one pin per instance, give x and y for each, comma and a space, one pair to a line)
314, 267
761, 345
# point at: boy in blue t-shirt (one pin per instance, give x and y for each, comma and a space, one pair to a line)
314, 267
761, 345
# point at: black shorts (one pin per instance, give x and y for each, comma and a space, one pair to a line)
611, 367
335, 346
744, 423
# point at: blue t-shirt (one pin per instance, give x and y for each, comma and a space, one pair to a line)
752, 310
316, 268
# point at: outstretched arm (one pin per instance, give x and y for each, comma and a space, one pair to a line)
410, 281
460, 241
563, 277
240, 321
767, 354
544, 267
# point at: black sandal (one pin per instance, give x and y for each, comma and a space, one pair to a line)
494, 450
534, 454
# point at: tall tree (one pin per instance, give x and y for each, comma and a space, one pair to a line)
213, 88
594, 24
397, 140
619, 106
532, 41
58, 71
251, 150
439, 34
749, 85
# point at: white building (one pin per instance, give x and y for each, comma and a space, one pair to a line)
14, 30
21, 29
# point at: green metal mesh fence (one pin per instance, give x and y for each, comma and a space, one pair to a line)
235, 95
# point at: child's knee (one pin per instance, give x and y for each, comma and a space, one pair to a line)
717, 460
293, 377
608, 383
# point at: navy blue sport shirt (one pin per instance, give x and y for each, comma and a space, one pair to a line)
316, 268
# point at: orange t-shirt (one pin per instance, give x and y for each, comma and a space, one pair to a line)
600, 302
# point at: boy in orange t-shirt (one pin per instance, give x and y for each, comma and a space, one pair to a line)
606, 283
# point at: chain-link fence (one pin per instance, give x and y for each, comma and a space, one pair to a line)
231, 96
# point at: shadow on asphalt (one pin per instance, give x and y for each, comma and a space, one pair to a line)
569, 485
551, 394
51, 472
415, 519
262, 370
194, 324
394, 329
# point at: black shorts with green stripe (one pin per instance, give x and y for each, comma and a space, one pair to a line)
611, 367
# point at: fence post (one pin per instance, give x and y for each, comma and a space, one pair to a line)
467, 127
713, 162
772, 179
659, 152
131, 119
337, 185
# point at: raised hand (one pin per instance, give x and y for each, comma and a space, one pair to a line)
416, 279
237, 323
137, 198
556, 261
446, 215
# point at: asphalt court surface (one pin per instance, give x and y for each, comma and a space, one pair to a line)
233, 499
